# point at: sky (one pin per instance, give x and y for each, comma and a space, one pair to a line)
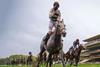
23, 23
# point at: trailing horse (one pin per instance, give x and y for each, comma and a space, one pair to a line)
74, 56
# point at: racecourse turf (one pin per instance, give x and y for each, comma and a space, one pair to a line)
56, 65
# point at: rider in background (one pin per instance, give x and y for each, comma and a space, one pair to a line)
76, 44
54, 16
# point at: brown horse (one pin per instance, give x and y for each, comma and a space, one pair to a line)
74, 56
77, 54
54, 44
69, 55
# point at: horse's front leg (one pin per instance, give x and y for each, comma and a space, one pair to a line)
67, 58
62, 57
40, 56
76, 61
49, 60
71, 62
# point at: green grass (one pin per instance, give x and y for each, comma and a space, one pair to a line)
81, 65
14, 66
89, 65
56, 65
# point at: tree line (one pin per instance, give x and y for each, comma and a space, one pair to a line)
17, 59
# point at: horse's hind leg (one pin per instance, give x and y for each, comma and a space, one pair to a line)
62, 57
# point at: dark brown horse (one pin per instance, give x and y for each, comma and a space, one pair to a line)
74, 56
69, 55
54, 44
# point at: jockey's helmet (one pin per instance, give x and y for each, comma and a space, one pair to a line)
77, 39
56, 4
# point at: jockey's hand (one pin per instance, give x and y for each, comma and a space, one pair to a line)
58, 19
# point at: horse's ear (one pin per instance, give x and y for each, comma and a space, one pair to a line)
62, 20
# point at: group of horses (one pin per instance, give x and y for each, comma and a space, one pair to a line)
74, 55
54, 47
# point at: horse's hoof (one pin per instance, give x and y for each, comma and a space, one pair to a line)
75, 65
37, 65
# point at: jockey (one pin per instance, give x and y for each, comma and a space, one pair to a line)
76, 44
54, 16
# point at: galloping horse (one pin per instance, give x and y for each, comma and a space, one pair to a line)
29, 60
75, 55
54, 44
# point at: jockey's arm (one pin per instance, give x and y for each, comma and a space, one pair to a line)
51, 13
59, 17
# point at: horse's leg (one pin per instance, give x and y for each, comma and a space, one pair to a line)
67, 59
71, 62
40, 56
62, 57
76, 61
49, 60
47, 64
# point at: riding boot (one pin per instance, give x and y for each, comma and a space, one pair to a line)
46, 38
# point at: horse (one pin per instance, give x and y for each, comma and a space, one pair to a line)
54, 44
69, 55
29, 60
75, 55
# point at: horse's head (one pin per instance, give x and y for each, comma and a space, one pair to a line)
81, 47
60, 28
78, 50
